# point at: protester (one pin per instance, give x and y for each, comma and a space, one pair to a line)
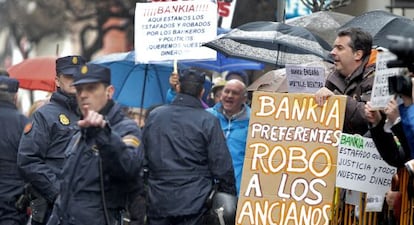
136, 204
406, 112
35, 106
172, 91
407, 119
238, 75
384, 127
186, 154
102, 160
41, 151
149, 110
136, 114
11, 182
215, 95
353, 76
234, 115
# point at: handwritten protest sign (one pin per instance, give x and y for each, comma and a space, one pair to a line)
174, 30
289, 168
380, 95
374, 203
304, 79
360, 166
225, 11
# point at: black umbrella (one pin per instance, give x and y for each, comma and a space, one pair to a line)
323, 23
272, 42
381, 23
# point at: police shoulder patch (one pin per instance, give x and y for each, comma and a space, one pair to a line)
28, 127
63, 119
131, 140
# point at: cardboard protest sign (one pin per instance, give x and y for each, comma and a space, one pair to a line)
360, 166
380, 94
290, 163
305, 79
174, 30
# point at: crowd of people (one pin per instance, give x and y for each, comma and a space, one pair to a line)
81, 158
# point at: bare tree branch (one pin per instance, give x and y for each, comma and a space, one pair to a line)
323, 5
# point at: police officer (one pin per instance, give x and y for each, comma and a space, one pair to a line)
11, 182
102, 160
187, 154
41, 151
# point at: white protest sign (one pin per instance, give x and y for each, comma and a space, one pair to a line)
225, 11
360, 166
380, 95
352, 197
374, 203
304, 79
174, 30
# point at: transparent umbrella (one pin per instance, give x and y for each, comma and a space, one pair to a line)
273, 43
323, 23
380, 24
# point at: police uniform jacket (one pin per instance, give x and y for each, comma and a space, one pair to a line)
41, 150
357, 87
113, 151
185, 151
11, 182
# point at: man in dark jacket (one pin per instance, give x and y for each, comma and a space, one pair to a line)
384, 127
103, 159
41, 150
11, 182
353, 76
186, 154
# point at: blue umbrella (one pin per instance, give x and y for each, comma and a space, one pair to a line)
223, 63
136, 85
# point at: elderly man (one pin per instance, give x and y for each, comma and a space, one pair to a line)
103, 159
234, 115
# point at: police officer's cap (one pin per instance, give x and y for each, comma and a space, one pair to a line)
92, 73
4, 73
9, 84
191, 75
68, 65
